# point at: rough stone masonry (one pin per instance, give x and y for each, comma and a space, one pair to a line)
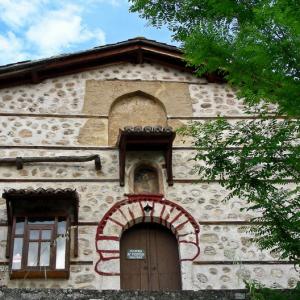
81, 114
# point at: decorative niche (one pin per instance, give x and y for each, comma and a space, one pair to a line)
135, 109
145, 180
146, 138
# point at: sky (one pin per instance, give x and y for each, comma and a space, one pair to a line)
34, 29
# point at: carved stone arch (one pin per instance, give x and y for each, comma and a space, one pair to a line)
137, 93
135, 109
129, 212
147, 164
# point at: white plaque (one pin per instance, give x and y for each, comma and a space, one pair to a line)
135, 254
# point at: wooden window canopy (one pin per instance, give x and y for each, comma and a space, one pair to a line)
146, 139
42, 202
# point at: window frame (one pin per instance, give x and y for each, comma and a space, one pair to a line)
40, 271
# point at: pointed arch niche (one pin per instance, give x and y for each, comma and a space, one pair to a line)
135, 109
137, 209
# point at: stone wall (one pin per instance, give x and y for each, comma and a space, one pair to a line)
56, 118
71, 103
65, 95
41, 294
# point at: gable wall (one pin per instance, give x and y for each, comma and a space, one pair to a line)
69, 116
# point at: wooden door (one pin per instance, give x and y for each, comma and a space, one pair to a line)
156, 265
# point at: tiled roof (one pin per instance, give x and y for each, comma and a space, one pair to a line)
136, 50
148, 130
28, 63
39, 192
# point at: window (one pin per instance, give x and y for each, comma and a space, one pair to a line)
39, 222
40, 247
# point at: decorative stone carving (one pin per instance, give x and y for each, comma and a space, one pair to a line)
136, 110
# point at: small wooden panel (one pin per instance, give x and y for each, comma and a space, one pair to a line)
159, 270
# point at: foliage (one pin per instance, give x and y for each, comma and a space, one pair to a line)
253, 43
260, 292
255, 159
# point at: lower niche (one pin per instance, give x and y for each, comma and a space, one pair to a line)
146, 180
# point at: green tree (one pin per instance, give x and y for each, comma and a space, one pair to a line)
256, 160
255, 45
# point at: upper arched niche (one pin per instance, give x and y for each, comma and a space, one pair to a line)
134, 109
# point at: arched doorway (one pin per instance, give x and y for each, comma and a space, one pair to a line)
126, 214
149, 258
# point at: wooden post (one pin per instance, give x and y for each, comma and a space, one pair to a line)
76, 241
122, 158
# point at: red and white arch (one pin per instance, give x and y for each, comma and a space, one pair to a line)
129, 212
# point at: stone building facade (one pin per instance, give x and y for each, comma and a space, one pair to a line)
74, 106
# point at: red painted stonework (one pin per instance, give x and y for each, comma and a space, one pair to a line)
130, 211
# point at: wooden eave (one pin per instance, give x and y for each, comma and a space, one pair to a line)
133, 51
137, 51
41, 201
